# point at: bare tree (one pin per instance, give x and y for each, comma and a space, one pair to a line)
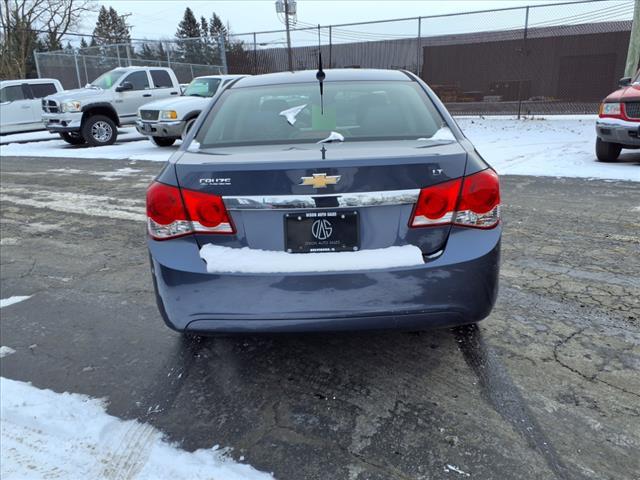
22, 23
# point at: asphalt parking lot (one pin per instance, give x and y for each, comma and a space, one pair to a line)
548, 387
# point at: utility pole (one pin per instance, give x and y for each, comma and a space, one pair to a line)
286, 22
633, 54
288, 8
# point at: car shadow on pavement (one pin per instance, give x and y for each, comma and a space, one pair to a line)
505, 397
272, 396
629, 157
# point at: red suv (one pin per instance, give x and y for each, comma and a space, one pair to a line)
619, 124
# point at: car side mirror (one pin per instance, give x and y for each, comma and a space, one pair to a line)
124, 86
624, 82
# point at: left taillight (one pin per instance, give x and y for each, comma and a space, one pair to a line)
472, 201
172, 212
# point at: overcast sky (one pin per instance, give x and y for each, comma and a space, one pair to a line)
158, 19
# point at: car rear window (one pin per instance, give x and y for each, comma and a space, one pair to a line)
293, 113
202, 87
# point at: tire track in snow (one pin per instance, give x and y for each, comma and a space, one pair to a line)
80, 203
131, 454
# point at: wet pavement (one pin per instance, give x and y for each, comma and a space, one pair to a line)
547, 387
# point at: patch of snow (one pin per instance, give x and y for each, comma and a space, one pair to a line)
247, 260
136, 150
68, 202
5, 302
617, 121
194, 146
333, 137
4, 351
453, 468
104, 175
553, 146
443, 133
117, 174
62, 435
28, 137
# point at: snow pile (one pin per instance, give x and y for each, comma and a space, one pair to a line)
247, 260
554, 146
36, 136
140, 149
51, 435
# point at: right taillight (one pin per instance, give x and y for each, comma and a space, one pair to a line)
479, 204
172, 212
472, 201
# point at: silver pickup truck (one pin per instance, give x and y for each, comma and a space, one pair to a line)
165, 121
93, 114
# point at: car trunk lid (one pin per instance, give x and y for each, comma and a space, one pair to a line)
379, 181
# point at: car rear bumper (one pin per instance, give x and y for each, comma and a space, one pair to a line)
160, 129
458, 287
624, 132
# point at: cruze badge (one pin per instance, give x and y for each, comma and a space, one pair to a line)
215, 181
321, 229
320, 180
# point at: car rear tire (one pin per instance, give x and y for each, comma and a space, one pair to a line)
99, 131
72, 138
187, 127
163, 141
606, 151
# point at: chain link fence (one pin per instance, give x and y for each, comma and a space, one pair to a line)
558, 58
188, 58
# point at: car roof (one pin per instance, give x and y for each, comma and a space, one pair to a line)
27, 80
222, 77
332, 75
140, 68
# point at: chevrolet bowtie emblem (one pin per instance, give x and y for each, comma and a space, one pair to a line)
320, 180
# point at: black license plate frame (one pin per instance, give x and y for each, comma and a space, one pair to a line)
322, 231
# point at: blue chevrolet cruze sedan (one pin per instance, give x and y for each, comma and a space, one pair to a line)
346, 201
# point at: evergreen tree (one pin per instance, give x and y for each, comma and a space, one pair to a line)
218, 32
217, 28
120, 27
83, 43
209, 44
189, 51
51, 42
161, 54
238, 56
110, 28
146, 52
204, 27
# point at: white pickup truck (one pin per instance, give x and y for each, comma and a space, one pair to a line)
93, 114
20, 103
165, 121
